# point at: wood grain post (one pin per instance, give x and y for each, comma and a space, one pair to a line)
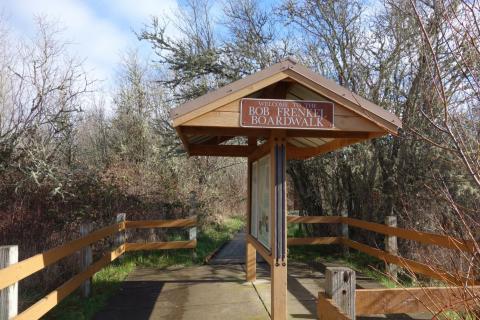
344, 226
192, 232
251, 262
391, 247
121, 236
278, 226
251, 252
86, 259
9, 295
193, 211
340, 287
192, 235
279, 292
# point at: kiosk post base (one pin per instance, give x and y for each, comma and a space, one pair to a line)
251, 262
279, 292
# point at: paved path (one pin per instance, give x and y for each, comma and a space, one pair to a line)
215, 292
195, 293
233, 252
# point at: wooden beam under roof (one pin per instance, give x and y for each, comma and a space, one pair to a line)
221, 131
297, 153
216, 140
265, 133
184, 139
220, 150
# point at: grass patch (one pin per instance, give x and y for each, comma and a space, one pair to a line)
107, 281
358, 261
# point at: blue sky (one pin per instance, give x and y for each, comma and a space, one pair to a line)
99, 30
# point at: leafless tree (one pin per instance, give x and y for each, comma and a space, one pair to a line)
42, 91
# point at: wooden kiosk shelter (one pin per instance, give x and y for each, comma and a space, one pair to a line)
283, 112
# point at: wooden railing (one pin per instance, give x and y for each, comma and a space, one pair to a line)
389, 301
14, 273
418, 236
342, 300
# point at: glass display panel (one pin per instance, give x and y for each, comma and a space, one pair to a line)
260, 219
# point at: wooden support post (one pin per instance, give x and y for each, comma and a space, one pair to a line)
9, 295
345, 235
251, 252
391, 247
192, 232
86, 259
251, 262
340, 287
278, 226
192, 235
278, 291
121, 236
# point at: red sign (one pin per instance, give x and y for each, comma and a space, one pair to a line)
289, 114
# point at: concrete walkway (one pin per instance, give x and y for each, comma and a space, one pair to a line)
209, 292
216, 292
202, 292
233, 252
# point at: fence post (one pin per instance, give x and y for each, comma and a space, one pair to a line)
86, 259
192, 234
391, 247
345, 235
121, 236
340, 287
8, 296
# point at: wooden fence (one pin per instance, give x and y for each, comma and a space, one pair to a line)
398, 300
341, 300
12, 274
389, 257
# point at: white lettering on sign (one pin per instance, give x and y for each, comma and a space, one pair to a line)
293, 114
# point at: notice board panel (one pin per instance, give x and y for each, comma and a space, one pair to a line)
260, 200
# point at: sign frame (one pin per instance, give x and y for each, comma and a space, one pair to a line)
286, 127
256, 209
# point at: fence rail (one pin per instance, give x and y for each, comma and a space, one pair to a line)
338, 301
418, 236
411, 265
328, 310
18, 271
408, 234
414, 300
397, 300
27, 267
21, 270
146, 224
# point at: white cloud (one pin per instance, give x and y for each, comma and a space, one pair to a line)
98, 30
137, 12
